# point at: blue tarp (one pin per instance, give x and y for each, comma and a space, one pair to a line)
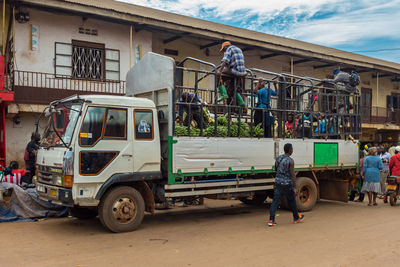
25, 205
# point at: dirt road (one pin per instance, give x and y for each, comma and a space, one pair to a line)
220, 233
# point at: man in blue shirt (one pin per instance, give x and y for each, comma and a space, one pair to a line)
190, 100
264, 101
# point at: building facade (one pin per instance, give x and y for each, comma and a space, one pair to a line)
54, 49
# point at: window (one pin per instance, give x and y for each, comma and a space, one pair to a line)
86, 61
93, 163
92, 126
115, 124
143, 124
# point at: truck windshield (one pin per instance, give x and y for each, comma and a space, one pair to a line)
62, 124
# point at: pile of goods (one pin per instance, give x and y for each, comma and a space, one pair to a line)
222, 129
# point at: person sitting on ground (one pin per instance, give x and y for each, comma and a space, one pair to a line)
371, 170
16, 176
264, 101
232, 66
195, 109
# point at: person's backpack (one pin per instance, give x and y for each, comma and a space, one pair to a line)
354, 79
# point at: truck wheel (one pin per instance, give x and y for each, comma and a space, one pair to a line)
82, 213
393, 199
307, 196
121, 209
257, 199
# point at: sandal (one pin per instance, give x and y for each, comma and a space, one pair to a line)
375, 204
369, 204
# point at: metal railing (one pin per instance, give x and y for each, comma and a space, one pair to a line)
66, 82
317, 108
380, 115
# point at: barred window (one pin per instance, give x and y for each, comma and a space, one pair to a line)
87, 61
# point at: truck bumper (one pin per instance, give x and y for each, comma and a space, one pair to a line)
55, 194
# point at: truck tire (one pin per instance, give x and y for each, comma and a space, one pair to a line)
257, 199
308, 193
121, 209
393, 199
82, 213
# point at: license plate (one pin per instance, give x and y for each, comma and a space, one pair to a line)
391, 187
40, 188
53, 192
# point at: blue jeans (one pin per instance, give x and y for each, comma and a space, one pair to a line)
283, 190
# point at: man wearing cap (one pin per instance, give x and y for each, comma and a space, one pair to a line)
233, 60
232, 67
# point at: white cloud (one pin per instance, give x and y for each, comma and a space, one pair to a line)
347, 21
372, 22
222, 8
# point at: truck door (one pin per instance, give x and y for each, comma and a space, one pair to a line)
146, 145
105, 144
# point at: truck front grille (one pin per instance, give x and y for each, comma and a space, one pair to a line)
46, 174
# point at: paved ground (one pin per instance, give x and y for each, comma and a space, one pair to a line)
221, 233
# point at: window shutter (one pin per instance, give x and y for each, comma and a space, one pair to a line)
112, 65
63, 59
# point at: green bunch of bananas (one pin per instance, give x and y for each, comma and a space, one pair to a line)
258, 131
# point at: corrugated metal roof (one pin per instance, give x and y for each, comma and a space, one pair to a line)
149, 16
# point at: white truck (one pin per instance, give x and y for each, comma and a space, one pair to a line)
118, 157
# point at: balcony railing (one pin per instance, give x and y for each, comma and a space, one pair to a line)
380, 115
64, 82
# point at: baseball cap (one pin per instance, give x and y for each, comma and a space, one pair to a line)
224, 44
397, 148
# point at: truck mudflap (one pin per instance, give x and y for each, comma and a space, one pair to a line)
55, 194
336, 190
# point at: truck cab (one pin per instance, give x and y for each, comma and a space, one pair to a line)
94, 142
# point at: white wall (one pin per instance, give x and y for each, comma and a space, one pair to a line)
56, 27
18, 136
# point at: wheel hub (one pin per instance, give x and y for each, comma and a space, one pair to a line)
305, 194
124, 210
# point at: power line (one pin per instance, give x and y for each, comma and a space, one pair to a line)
377, 50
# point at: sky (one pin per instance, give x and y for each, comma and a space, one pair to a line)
366, 27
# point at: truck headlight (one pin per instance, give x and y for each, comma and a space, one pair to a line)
68, 169
58, 180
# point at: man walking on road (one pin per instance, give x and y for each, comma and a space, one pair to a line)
285, 185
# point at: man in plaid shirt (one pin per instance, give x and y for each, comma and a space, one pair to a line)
233, 60
232, 67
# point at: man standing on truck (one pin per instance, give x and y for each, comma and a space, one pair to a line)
264, 101
285, 185
194, 102
350, 81
232, 69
